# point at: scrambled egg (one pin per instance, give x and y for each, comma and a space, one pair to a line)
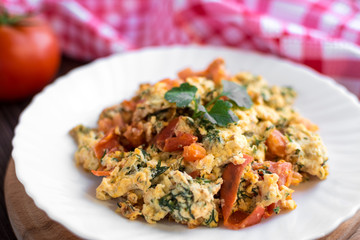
141, 149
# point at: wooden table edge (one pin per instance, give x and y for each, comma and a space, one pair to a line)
28, 221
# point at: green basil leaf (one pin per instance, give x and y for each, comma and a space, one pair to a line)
182, 95
237, 93
206, 115
222, 114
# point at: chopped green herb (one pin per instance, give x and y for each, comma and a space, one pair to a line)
144, 153
182, 168
288, 91
211, 219
255, 191
276, 210
254, 149
257, 142
270, 127
248, 134
84, 129
178, 199
202, 180
83, 146
324, 163
288, 137
282, 123
264, 171
169, 201
213, 136
242, 194
158, 170
300, 166
265, 96
102, 158
267, 197
105, 152
137, 166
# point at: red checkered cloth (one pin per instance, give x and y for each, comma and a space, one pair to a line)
323, 34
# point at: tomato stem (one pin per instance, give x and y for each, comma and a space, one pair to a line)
12, 20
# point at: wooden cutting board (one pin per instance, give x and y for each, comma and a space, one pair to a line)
31, 223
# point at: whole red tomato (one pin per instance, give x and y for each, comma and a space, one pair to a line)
29, 56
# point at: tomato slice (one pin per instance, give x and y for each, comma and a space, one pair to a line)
239, 219
108, 143
195, 174
276, 143
269, 211
107, 124
282, 169
166, 133
296, 178
101, 173
309, 125
170, 83
215, 71
135, 134
129, 105
177, 143
194, 152
231, 177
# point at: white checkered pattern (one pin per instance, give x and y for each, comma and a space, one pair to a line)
323, 34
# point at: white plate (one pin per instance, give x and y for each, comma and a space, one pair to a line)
43, 150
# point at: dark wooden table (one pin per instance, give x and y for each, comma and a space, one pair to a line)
9, 115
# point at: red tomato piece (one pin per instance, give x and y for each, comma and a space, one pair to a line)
170, 83
215, 71
185, 73
309, 125
135, 134
276, 143
296, 178
228, 192
282, 169
107, 144
239, 219
269, 210
195, 174
101, 173
107, 124
177, 143
194, 152
129, 106
166, 133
